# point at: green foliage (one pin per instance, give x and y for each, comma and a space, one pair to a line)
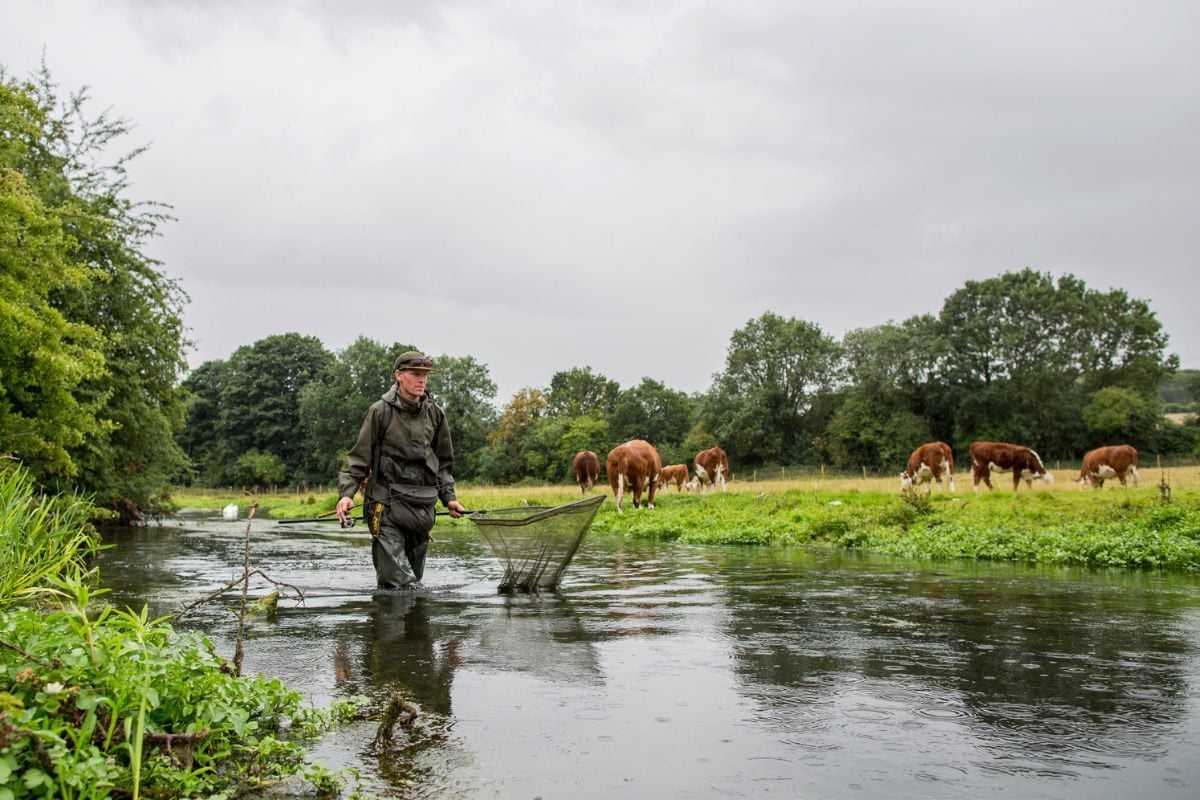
578, 392
763, 407
41, 538
260, 398
1117, 414
200, 435
93, 696
45, 356
862, 434
1182, 387
1026, 352
464, 388
92, 344
655, 413
331, 407
257, 469
1085, 529
504, 459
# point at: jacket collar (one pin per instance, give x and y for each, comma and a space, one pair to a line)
392, 397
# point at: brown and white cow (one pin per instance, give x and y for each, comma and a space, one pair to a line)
586, 468
712, 469
927, 464
1116, 461
634, 464
676, 474
1025, 464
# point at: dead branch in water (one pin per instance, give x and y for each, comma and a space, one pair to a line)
399, 709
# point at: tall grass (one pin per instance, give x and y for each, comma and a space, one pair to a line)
41, 538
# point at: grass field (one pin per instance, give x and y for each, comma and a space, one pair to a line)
1111, 527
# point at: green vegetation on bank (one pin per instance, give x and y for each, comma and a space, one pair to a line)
1113, 527
98, 702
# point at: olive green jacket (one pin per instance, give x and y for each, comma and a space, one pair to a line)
415, 449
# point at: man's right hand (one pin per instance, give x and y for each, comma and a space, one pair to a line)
344, 504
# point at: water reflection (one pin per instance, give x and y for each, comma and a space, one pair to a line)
670, 671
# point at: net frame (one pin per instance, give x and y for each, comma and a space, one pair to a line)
536, 543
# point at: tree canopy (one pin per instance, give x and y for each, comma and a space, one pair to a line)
92, 343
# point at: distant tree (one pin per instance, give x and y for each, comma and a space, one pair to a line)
655, 413
332, 406
583, 433
504, 459
1116, 415
579, 391
260, 399
1025, 353
257, 470
776, 370
464, 388
860, 436
200, 436
894, 368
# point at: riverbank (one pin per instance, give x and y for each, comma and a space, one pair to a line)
1058, 524
102, 702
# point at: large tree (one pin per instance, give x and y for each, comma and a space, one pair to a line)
579, 391
260, 400
767, 404
1026, 352
119, 348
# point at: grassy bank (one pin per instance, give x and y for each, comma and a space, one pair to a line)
1112, 527
100, 702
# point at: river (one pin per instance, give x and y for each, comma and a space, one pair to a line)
660, 670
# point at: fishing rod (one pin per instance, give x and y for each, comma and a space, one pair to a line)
329, 516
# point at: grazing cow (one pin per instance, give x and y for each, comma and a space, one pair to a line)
634, 464
586, 467
989, 457
712, 469
1103, 463
675, 474
926, 464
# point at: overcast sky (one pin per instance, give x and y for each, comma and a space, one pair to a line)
622, 185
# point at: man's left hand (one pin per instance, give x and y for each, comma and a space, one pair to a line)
456, 509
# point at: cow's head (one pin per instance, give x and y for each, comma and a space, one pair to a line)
906, 481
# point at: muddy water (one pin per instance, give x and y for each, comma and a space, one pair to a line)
666, 671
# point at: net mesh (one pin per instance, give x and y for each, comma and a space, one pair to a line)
536, 543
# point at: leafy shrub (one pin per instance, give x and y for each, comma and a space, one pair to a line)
116, 704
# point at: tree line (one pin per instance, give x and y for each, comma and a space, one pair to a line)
93, 396
1021, 357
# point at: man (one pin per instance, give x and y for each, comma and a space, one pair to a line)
405, 456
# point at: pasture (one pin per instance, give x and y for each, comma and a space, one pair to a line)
1058, 524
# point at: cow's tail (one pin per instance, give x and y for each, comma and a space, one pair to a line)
620, 489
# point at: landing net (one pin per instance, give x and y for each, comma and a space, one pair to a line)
536, 543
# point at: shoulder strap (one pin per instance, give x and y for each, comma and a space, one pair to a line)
377, 442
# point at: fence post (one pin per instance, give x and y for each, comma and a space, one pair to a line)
864, 473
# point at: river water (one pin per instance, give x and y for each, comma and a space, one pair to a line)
662, 670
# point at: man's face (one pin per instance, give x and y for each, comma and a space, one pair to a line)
411, 383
